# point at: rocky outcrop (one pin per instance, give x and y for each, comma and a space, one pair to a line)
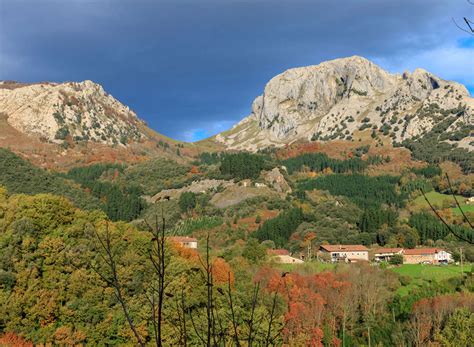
345, 99
277, 180
66, 112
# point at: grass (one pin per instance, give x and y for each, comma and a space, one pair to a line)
420, 273
437, 200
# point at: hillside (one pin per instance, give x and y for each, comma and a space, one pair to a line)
58, 125
351, 99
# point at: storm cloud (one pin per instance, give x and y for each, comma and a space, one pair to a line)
193, 68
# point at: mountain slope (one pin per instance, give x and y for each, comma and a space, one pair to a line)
66, 124
347, 99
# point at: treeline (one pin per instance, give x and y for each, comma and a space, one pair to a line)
373, 218
21, 177
320, 161
363, 190
243, 165
430, 227
280, 228
120, 202
429, 171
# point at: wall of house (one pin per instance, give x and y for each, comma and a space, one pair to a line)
362, 255
417, 259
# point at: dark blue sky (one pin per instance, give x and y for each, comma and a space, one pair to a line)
193, 68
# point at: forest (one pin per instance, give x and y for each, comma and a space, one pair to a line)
55, 273
74, 275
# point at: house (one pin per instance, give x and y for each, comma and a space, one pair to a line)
283, 256
347, 253
426, 256
184, 241
384, 254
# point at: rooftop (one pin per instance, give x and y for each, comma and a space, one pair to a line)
421, 251
182, 239
344, 248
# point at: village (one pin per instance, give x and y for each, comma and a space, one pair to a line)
347, 254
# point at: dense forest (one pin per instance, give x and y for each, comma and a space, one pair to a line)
56, 287
365, 191
20, 176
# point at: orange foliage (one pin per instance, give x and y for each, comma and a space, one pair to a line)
313, 302
194, 170
13, 340
221, 271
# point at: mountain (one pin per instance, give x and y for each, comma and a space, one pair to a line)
64, 124
348, 99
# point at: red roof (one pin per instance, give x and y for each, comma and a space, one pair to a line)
388, 250
182, 239
421, 251
278, 252
344, 248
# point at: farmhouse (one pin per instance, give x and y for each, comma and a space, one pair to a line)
426, 255
384, 254
184, 241
283, 256
347, 253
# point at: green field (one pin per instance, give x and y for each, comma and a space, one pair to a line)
419, 273
437, 199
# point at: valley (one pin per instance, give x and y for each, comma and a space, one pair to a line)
336, 155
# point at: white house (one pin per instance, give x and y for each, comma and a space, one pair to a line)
347, 253
426, 255
184, 241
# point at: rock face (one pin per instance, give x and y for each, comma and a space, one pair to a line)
277, 180
75, 111
342, 99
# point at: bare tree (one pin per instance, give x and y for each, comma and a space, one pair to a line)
468, 239
468, 27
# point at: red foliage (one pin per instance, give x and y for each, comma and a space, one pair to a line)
13, 340
313, 302
428, 314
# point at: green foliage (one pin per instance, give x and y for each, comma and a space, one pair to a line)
429, 227
253, 251
429, 148
243, 165
373, 218
187, 201
319, 161
120, 202
458, 330
396, 259
21, 177
429, 171
157, 174
280, 228
365, 191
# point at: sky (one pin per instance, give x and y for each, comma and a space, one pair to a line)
191, 68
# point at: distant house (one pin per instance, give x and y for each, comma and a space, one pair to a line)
347, 253
184, 241
283, 256
426, 256
384, 254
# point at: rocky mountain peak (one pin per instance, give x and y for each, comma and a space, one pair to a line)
342, 98
71, 111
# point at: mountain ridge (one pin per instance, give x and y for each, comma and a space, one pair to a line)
74, 123
339, 99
